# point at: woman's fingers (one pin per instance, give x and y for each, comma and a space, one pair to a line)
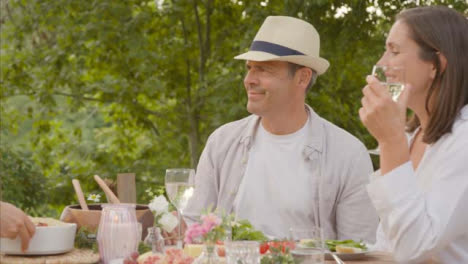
377, 87
363, 115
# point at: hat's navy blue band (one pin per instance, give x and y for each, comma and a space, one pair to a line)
272, 48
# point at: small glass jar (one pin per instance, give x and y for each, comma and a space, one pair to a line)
155, 240
117, 234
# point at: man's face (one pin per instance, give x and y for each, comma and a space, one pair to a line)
270, 88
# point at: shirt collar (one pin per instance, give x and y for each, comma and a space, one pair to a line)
314, 140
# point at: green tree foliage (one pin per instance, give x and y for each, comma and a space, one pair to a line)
26, 185
109, 86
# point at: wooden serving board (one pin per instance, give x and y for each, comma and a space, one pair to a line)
76, 256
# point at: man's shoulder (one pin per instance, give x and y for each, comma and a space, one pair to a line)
340, 140
345, 154
233, 130
240, 124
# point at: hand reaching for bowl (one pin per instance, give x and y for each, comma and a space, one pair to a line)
14, 222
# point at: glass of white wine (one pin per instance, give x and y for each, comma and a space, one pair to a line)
180, 184
392, 77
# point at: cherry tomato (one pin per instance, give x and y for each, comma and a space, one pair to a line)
288, 244
221, 251
282, 245
264, 248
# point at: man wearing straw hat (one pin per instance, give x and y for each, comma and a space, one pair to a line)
284, 166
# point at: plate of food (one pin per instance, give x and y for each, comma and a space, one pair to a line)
346, 249
51, 237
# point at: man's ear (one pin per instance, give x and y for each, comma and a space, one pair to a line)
305, 75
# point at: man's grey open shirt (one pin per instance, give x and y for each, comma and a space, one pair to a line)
338, 160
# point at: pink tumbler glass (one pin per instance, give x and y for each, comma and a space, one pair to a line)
117, 233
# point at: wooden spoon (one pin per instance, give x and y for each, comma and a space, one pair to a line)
107, 190
79, 194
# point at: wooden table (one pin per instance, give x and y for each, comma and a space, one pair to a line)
76, 256
374, 258
87, 256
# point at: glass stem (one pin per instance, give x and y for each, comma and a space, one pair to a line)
179, 239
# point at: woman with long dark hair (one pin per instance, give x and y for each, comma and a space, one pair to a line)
421, 194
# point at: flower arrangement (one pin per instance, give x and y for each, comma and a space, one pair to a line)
211, 229
162, 217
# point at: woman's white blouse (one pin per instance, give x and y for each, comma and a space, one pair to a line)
424, 212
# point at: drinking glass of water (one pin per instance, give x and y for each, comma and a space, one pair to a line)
392, 77
309, 245
180, 185
242, 252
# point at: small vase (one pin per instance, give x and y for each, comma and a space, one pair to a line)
209, 255
155, 240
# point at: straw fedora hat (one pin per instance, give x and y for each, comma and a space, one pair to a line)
283, 38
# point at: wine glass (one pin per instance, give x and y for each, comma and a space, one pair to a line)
392, 77
180, 185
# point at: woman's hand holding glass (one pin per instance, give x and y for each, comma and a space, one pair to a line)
383, 117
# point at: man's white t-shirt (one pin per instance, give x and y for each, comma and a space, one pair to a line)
277, 190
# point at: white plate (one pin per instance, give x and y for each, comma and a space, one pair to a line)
348, 256
47, 240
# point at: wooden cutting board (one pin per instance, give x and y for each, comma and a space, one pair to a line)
76, 256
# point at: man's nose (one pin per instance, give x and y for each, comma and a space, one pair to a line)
250, 79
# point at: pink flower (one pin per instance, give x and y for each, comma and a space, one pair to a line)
211, 219
196, 231
205, 228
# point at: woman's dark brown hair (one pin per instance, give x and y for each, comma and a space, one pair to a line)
438, 29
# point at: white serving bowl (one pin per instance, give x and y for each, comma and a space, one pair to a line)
47, 240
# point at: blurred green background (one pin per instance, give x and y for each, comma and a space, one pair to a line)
112, 86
